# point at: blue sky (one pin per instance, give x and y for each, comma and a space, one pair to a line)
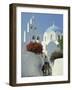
43, 21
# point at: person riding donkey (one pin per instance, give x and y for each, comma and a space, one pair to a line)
46, 68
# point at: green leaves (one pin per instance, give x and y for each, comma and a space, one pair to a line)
61, 43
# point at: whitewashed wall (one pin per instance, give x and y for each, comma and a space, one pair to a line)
57, 68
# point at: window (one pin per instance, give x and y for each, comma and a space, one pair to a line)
38, 37
58, 37
33, 37
31, 26
51, 37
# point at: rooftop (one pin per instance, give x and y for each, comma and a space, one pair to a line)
54, 28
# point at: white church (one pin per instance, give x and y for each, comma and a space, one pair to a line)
50, 38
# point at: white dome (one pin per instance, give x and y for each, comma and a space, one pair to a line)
53, 28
